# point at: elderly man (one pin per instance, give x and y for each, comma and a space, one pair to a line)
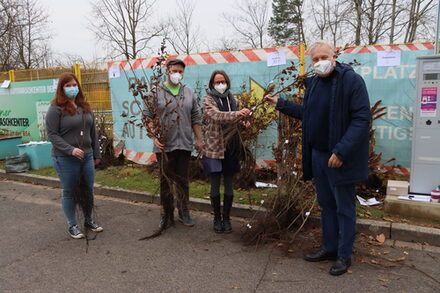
336, 118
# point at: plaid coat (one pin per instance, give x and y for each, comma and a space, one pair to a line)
213, 122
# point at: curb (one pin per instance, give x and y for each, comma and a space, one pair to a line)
393, 231
238, 210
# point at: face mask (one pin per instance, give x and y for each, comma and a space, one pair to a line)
176, 78
71, 91
220, 87
323, 68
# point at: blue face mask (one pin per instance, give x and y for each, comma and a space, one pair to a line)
71, 91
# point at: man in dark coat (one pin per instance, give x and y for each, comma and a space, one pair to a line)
336, 121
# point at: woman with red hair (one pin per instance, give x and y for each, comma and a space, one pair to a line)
75, 150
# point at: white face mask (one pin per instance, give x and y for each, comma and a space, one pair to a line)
176, 78
323, 67
220, 87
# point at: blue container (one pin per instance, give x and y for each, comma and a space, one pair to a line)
8, 146
39, 154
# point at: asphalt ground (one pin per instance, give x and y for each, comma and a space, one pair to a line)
37, 255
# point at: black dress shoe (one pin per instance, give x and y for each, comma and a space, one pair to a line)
340, 266
320, 256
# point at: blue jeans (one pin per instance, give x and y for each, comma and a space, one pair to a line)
68, 169
338, 214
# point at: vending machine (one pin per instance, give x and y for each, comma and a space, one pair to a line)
425, 160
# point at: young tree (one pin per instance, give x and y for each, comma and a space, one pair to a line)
251, 22
286, 23
125, 26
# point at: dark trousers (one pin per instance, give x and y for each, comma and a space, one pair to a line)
338, 215
228, 181
174, 181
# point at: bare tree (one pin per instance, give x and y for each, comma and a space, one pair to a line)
336, 15
8, 17
377, 16
418, 13
251, 22
358, 23
330, 20
8, 11
226, 44
182, 33
125, 25
319, 15
31, 34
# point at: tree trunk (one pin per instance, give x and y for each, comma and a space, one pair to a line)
358, 8
393, 21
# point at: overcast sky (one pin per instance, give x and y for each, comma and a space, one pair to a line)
69, 21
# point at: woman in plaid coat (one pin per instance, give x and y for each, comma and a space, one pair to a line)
220, 157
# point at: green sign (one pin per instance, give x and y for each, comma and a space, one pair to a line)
23, 106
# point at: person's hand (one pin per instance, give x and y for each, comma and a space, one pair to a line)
272, 100
97, 161
244, 112
78, 153
334, 162
246, 124
199, 145
158, 144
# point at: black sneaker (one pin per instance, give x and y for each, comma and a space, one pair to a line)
75, 232
93, 226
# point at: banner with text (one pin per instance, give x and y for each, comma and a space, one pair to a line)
23, 106
389, 72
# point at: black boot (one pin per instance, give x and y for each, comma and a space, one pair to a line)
215, 203
227, 205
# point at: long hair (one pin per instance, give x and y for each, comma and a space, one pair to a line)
60, 99
221, 72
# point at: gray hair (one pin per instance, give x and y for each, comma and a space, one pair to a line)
321, 43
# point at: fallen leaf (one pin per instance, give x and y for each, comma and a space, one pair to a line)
373, 261
383, 280
50, 220
405, 253
349, 272
280, 244
397, 259
386, 252
290, 250
380, 238
236, 287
